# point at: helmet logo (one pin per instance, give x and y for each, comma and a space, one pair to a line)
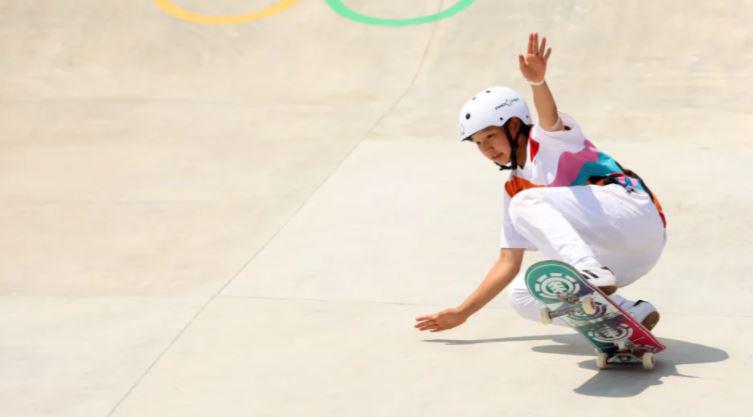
508, 102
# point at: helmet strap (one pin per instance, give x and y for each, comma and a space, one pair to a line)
513, 142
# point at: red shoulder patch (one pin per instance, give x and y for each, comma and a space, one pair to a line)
534, 148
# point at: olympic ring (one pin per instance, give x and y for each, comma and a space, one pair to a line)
182, 14
345, 11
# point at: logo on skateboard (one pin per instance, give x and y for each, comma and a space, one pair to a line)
607, 333
554, 285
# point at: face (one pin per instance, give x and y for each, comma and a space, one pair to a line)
492, 142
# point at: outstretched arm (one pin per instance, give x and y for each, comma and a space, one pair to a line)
503, 271
533, 67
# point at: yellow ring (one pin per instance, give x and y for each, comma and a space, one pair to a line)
182, 14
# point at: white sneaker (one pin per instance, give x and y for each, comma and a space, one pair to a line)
643, 312
602, 278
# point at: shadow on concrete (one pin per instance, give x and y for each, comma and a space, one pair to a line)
617, 381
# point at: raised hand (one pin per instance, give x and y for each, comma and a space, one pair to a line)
533, 63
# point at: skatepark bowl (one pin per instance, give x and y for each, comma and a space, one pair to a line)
239, 207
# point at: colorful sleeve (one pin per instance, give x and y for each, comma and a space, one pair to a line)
572, 134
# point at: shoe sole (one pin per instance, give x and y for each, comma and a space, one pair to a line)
650, 321
609, 290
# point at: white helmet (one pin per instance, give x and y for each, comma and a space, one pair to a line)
491, 107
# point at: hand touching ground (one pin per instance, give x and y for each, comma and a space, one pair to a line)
446, 319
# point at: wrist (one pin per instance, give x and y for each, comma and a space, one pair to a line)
537, 83
464, 310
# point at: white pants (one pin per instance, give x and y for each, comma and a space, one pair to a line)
622, 230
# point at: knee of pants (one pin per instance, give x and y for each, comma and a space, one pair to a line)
524, 304
528, 307
522, 202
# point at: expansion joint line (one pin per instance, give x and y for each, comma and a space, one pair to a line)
201, 309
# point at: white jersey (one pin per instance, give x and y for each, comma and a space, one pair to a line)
563, 158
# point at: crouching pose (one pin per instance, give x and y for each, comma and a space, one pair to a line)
564, 198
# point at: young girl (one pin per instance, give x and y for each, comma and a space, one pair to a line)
564, 198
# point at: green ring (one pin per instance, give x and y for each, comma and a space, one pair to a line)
345, 11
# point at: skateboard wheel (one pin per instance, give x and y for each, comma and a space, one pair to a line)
648, 360
588, 305
601, 360
545, 316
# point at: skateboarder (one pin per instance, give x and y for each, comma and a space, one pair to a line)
564, 198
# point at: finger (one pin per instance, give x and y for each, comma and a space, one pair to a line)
432, 327
546, 56
535, 43
543, 46
426, 324
530, 43
521, 61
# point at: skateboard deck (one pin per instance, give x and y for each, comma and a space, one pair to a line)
616, 335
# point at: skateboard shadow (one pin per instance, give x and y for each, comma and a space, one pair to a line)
620, 380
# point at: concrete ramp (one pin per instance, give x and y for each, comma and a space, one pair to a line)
238, 207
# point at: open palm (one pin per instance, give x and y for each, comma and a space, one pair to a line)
533, 63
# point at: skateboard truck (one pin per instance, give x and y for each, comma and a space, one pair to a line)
626, 353
573, 305
603, 358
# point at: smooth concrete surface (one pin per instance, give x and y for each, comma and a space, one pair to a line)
374, 365
244, 220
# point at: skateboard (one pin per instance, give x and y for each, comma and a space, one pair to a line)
616, 335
